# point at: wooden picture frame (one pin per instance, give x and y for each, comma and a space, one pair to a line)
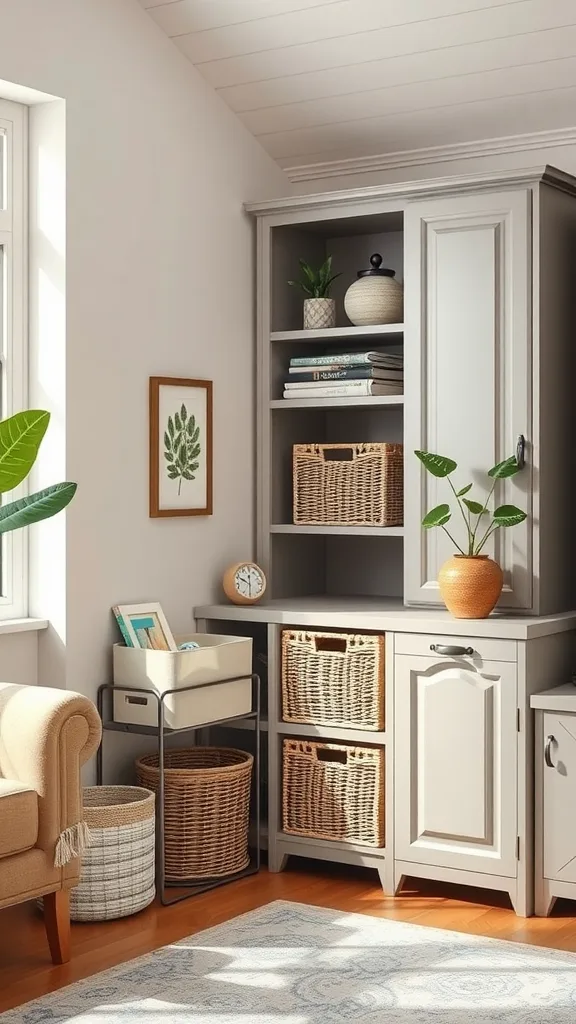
181, 478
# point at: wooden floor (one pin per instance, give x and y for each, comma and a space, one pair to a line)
26, 971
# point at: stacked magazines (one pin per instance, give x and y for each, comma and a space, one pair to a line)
345, 375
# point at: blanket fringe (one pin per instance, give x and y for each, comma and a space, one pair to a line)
71, 843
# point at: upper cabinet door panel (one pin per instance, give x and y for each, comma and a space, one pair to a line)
467, 373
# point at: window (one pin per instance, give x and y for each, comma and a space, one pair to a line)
13, 329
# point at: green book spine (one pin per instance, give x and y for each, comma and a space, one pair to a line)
343, 358
122, 627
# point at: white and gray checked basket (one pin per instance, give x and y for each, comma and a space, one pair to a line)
117, 875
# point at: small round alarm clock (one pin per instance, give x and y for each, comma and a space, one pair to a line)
244, 583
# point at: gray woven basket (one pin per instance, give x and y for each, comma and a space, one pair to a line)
117, 876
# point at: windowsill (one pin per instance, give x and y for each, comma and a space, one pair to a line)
22, 625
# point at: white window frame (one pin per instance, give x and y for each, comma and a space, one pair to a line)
14, 330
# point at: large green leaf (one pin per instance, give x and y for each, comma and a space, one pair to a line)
20, 438
475, 507
437, 465
436, 517
35, 507
508, 515
509, 467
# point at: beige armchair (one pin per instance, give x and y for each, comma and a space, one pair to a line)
45, 737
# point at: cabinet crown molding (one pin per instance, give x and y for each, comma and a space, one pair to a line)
382, 162
407, 190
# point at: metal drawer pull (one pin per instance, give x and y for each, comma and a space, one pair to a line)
547, 756
449, 649
521, 451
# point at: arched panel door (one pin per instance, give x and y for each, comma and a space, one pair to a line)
455, 764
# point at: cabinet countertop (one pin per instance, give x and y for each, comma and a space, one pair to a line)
561, 698
389, 614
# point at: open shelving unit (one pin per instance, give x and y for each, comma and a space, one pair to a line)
331, 575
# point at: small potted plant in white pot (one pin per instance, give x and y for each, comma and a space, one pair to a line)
319, 308
470, 582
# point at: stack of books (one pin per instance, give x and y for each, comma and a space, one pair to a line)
345, 375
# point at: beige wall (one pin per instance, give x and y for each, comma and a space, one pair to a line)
159, 280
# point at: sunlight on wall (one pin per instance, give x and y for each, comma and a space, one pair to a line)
47, 160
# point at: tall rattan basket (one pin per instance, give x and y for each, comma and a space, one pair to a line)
335, 792
333, 679
207, 810
348, 484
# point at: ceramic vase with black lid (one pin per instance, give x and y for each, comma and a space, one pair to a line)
375, 298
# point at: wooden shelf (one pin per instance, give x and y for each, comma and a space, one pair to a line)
385, 332
359, 402
331, 732
339, 531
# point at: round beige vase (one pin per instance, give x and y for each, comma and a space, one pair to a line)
319, 314
375, 298
470, 585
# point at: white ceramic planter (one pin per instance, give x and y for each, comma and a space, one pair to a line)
319, 314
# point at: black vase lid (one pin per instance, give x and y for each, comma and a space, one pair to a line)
376, 268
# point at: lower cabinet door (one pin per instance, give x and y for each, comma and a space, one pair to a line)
559, 795
455, 763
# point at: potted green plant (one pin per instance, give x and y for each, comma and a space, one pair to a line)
319, 308
20, 439
471, 582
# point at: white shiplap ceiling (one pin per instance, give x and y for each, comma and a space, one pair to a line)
330, 80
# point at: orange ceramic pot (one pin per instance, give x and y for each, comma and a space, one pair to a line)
470, 585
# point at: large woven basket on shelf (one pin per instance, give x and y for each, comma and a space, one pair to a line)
117, 875
348, 484
206, 810
335, 792
333, 679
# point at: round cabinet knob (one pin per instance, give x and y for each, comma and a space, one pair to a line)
375, 298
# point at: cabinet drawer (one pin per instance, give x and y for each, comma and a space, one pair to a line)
484, 650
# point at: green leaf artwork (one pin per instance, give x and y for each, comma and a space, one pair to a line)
182, 447
472, 511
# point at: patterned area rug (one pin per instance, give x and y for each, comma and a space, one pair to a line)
293, 964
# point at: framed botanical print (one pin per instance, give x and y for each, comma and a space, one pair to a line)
180, 447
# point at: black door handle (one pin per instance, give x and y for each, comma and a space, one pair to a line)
451, 649
521, 451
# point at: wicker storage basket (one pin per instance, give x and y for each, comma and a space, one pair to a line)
333, 679
117, 875
333, 792
206, 810
348, 484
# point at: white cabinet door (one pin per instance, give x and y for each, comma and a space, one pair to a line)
559, 795
455, 763
467, 372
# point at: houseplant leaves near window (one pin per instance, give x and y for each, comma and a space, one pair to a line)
319, 308
20, 439
470, 582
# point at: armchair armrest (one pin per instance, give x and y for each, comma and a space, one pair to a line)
45, 737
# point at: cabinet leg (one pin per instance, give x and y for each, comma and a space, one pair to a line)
276, 861
545, 901
399, 880
522, 900
57, 924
